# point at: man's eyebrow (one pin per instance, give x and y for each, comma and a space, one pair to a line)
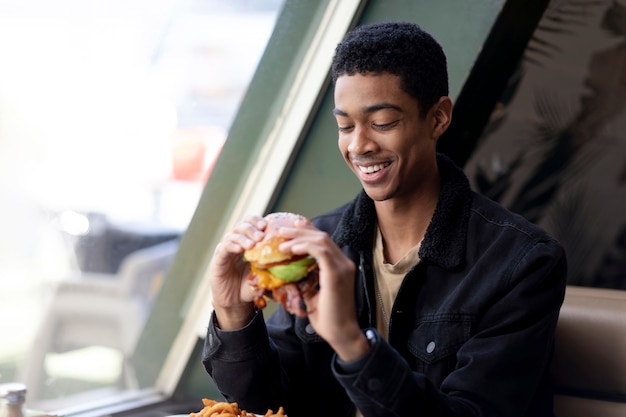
381, 106
370, 109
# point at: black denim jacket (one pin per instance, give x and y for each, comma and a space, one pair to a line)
471, 330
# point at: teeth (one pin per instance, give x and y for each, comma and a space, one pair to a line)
372, 168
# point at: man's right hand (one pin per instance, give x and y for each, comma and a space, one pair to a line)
232, 296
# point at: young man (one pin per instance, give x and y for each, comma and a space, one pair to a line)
432, 301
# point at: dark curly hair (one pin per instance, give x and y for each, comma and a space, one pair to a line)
399, 48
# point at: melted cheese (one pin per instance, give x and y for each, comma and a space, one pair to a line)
265, 280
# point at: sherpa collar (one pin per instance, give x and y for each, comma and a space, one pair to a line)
444, 242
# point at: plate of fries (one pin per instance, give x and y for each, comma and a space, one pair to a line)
214, 408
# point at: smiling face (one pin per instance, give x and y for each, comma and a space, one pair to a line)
383, 139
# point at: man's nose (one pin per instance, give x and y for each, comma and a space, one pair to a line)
360, 141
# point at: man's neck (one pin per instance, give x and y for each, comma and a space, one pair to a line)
403, 224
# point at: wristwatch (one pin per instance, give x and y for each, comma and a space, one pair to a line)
354, 366
372, 336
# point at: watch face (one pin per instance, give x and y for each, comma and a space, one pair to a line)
371, 336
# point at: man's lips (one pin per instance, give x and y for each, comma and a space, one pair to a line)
371, 171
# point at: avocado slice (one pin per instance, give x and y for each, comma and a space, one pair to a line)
293, 271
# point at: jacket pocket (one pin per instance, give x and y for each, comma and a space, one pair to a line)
435, 341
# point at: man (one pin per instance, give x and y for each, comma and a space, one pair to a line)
432, 301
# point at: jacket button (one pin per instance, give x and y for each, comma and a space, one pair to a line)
430, 347
309, 329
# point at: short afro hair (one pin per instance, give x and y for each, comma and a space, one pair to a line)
398, 48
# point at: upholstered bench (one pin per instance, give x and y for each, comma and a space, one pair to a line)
589, 366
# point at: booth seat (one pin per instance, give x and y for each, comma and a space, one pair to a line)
589, 365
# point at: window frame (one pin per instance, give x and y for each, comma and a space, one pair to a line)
272, 151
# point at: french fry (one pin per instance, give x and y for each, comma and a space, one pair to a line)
214, 408
281, 413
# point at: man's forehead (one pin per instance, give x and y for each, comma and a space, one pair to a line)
369, 93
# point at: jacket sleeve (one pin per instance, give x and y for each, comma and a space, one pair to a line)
382, 384
241, 362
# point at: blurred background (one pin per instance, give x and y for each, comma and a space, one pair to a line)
111, 115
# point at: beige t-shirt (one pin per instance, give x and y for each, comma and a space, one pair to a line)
388, 278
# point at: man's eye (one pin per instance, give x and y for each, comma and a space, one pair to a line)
344, 128
384, 126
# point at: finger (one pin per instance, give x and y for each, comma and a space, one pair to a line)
309, 302
232, 245
257, 221
251, 229
243, 237
300, 228
304, 240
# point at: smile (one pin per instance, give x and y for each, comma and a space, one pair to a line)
372, 168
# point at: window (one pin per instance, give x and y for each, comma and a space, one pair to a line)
111, 116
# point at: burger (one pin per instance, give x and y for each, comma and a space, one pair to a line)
279, 276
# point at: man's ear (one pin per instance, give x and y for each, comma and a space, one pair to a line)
441, 114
